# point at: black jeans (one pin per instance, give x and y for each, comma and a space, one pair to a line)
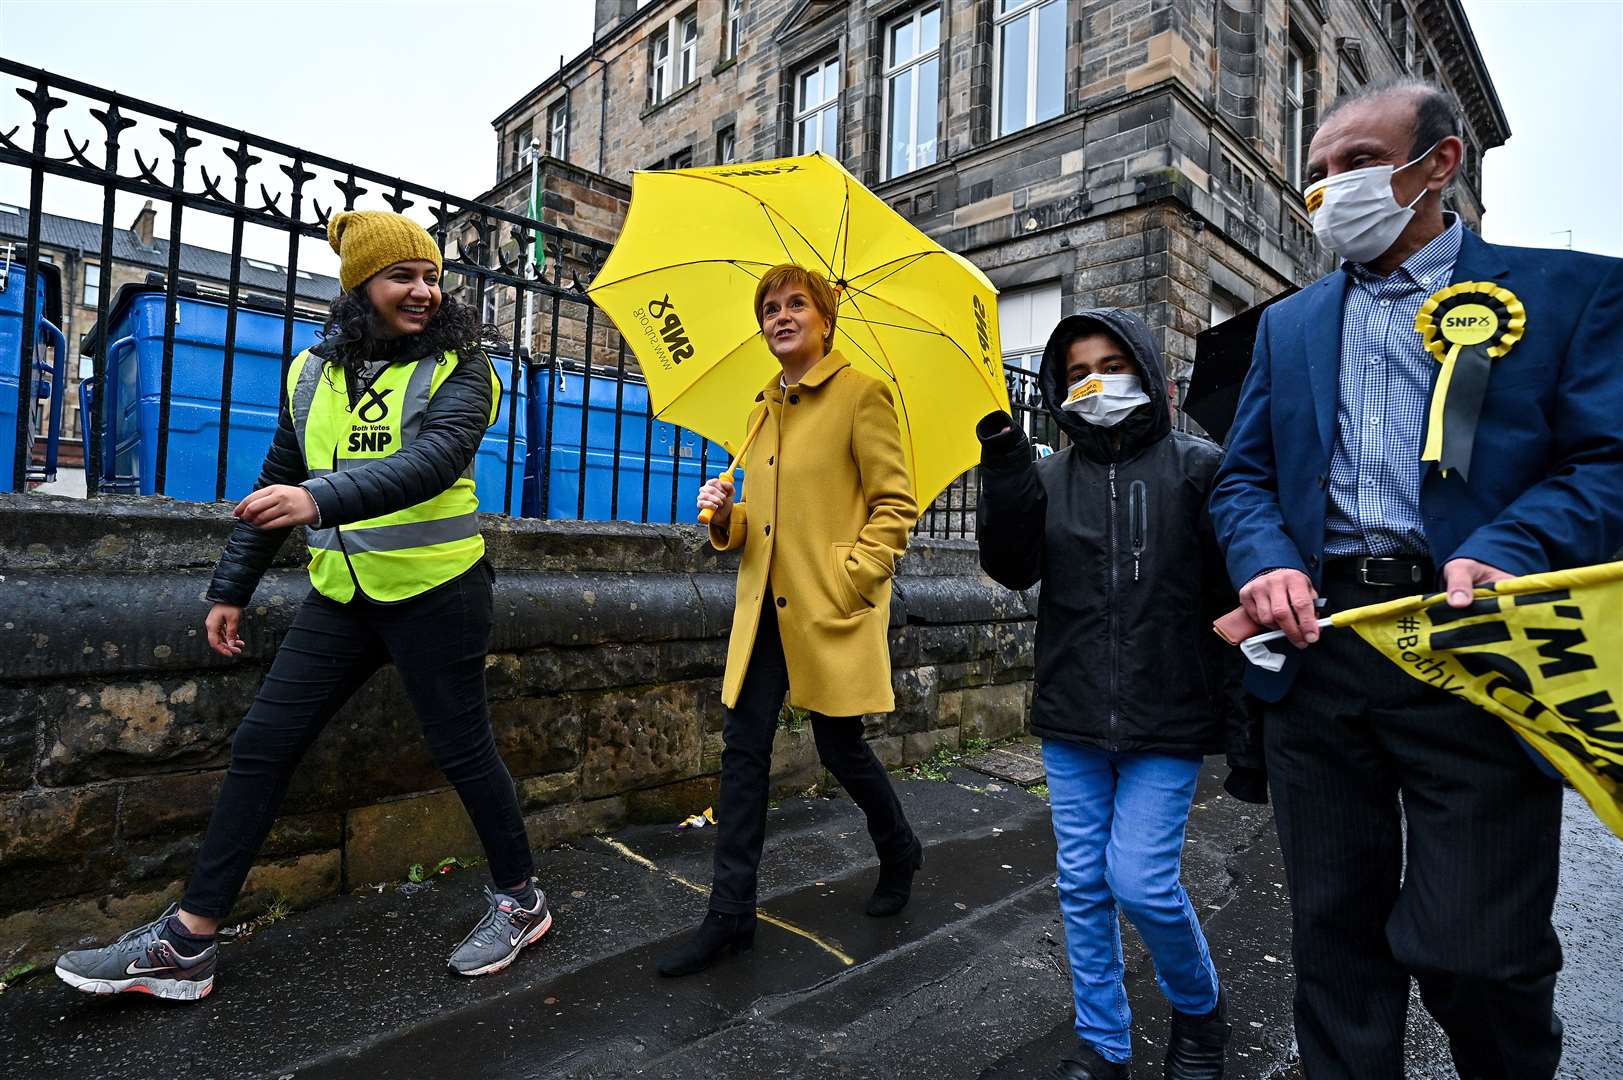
746, 765
1456, 887
438, 642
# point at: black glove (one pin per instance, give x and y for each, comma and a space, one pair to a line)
1000, 436
1247, 785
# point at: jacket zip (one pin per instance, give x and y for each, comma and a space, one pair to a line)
1110, 605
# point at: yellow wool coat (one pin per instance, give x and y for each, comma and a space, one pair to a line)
829, 506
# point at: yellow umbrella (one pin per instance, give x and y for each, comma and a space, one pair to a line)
680, 281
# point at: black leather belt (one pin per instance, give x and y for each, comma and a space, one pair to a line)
1387, 571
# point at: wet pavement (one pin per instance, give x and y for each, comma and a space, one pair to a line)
970, 982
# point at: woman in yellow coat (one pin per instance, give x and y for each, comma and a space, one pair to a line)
829, 509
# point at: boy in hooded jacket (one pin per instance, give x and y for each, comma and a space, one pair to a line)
1132, 686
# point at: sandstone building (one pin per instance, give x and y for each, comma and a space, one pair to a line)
1140, 153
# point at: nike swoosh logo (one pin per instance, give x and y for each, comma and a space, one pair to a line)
516, 938
133, 969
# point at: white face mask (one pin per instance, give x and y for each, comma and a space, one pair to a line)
1355, 213
1105, 400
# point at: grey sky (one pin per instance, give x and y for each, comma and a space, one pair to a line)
409, 87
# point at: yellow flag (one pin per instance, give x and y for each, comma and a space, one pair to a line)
1544, 653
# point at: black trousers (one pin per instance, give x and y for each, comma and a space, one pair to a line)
1455, 885
438, 642
746, 764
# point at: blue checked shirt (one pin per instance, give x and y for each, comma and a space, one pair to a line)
1386, 380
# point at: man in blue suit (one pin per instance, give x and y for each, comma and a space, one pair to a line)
1323, 498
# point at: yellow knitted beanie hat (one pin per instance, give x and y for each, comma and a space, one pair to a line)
370, 240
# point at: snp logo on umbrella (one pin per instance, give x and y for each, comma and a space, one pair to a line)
662, 326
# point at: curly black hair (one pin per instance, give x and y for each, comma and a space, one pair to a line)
351, 341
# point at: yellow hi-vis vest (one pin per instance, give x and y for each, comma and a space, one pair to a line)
395, 556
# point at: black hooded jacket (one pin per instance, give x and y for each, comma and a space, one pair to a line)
1130, 571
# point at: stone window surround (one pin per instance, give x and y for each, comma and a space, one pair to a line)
732, 29
796, 114
894, 17
680, 52
999, 22
558, 129
1298, 111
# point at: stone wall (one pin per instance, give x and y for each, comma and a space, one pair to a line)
604, 681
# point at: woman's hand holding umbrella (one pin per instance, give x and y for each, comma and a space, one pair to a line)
716, 500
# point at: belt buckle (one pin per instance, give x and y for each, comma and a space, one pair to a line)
1369, 560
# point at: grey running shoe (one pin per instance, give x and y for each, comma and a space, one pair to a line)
144, 962
505, 929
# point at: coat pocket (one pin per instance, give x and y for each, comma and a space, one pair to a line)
847, 598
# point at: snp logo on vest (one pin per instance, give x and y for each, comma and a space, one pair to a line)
663, 328
372, 435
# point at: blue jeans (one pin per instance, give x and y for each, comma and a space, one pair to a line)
1119, 822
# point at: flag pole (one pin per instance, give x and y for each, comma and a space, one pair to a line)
528, 329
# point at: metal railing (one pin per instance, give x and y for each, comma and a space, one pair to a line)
217, 170
220, 170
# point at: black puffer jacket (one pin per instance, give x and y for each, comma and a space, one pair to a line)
441, 451
1131, 576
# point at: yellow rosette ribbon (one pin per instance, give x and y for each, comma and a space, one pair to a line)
1465, 326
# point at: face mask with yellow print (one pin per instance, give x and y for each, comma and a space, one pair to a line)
1105, 400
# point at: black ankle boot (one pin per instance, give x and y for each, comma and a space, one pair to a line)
895, 885
1196, 1044
1088, 1064
719, 933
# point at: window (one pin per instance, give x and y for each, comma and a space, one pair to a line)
689, 67
1025, 318
682, 159
1298, 235
1296, 125
1236, 182
558, 131
1030, 61
659, 74
817, 113
731, 23
491, 305
667, 73
1224, 306
1397, 31
912, 81
92, 293
521, 149
726, 146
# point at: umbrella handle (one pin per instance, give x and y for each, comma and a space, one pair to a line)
749, 440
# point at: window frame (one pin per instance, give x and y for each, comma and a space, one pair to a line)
727, 154
1294, 95
659, 68
732, 28
558, 130
90, 290
819, 66
687, 56
520, 139
910, 68
1000, 23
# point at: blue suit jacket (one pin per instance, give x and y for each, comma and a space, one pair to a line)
1546, 488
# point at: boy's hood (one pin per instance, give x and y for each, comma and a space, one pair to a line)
1146, 424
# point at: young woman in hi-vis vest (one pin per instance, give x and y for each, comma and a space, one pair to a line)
374, 456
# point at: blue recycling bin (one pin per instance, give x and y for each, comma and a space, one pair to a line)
650, 454
47, 375
130, 405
